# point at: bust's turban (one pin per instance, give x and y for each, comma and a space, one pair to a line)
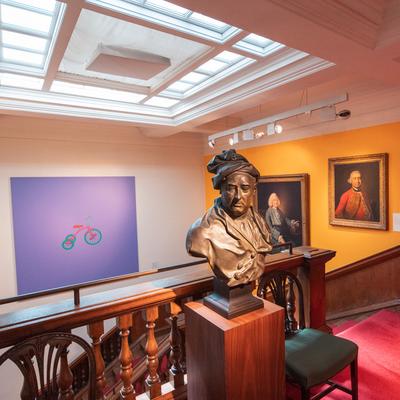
227, 163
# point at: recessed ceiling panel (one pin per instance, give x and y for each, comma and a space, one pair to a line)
125, 62
94, 30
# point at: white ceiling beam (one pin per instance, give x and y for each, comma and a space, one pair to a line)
70, 19
192, 65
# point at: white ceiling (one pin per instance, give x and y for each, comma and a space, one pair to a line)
323, 48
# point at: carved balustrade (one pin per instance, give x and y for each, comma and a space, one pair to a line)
146, 299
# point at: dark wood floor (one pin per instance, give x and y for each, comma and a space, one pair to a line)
358, 317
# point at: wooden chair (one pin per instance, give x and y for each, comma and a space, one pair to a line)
312, 357
43, 363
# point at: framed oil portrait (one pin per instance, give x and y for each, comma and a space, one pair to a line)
358, 191
283, 201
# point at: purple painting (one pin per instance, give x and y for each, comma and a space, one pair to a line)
73, 230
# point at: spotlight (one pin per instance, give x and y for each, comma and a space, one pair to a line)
278, 128
271, 129
211, 143
248, 134
234, 139
259, 135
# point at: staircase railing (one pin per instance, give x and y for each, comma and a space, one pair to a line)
144, 298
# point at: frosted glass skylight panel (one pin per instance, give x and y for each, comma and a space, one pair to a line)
257, 40
22, 57
212, 66
180, 86
159, 101
173, 16
24, 18
96, 92
194, 77
47, 5
229, 57
258, 45
203, 19
15, 39
167, 6
20, 81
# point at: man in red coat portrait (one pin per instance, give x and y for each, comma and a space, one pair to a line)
354, 203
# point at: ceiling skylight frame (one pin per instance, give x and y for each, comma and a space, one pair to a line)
258, 50
231, 69
173, 21
76, 89
29, 68
155, 98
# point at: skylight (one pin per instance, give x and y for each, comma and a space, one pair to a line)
212, 71
194, 77
167, 14
212, 66
259, 45
22, 57
96, 92
20, 81
19, 17
28, 30
22, 41
166, 6
229, 57
159, 101
207, 21
47, 5
180, 86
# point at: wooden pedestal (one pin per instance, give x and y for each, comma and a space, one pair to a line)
238, 359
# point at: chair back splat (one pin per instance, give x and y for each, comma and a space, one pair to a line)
312, 357
43, 362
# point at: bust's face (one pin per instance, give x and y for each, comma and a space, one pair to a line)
237, 193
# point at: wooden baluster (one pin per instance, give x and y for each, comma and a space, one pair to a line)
291, 306
153, 382
176, 373
124, 323
96, 331
65, 378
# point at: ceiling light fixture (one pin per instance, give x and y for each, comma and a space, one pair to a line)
259, 135
270, 121
234, 139
248, 134
278, 128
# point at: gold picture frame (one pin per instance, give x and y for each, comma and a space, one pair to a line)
357, 191
293, 193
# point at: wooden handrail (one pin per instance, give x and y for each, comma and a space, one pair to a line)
76, 288
192, 280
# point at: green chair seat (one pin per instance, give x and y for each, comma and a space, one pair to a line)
313, 357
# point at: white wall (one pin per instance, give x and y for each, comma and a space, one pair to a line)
169, 179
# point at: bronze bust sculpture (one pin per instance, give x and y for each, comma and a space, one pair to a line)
232, 235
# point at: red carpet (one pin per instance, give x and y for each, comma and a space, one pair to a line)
378, 339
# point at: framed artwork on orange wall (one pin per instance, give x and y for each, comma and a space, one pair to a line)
283, 201
358, 191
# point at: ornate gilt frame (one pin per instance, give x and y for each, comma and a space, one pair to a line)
382, 160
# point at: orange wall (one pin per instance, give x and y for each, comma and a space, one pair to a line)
311, 156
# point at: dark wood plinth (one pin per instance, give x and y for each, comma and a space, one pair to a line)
230, 302
237, 359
